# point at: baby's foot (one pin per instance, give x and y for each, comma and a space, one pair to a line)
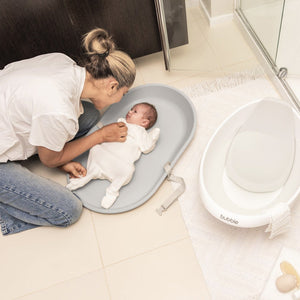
72, 185
108, 201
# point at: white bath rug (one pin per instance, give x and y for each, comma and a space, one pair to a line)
236, 262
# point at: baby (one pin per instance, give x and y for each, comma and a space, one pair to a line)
115, 161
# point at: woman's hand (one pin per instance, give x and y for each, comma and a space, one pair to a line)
115, 132
74, 169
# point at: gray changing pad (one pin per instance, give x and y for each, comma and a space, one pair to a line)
177, 123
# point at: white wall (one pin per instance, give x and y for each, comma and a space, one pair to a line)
217, 8
221, 7
207, 5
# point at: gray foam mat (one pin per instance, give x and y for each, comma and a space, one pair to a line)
177, 123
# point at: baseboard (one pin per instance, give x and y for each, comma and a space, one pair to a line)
213, 21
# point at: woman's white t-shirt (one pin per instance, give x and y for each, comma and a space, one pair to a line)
39, 105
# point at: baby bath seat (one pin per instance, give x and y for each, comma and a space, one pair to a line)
177, 123
250, 170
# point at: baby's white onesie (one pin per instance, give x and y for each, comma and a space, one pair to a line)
115, 161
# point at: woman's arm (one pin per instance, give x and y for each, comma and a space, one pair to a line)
115, 132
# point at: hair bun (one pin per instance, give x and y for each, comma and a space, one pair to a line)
98, 42
102, 60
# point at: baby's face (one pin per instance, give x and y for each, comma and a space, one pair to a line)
136, 115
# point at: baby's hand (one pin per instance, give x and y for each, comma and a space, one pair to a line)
74, 169
115, 132
154, 133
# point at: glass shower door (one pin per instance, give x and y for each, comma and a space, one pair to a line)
275, 25
172, 22
265, 18
182, 40
289, 45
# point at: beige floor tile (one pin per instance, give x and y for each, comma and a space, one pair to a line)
246, 65
197, 55
250, 66
38, 258
152, 70
167, 273
194, 14
91, 286
139, 80
128, 234
228, 43
197, 79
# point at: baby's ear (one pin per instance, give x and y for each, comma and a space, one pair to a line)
145, 123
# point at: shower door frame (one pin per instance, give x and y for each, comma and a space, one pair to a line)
278, 73
162, 25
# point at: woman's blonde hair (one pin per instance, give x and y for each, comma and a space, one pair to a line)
102, 59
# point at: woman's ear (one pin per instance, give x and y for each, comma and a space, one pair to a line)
112, 86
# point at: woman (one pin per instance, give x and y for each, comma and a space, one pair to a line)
41, 112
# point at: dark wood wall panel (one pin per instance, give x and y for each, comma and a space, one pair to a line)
32, 27
29, 28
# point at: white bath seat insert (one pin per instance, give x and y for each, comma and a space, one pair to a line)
261, 155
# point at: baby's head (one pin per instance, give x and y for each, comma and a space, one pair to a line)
143, 114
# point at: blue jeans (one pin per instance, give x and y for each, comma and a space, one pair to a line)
28, 200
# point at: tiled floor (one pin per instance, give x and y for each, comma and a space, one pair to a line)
135, 255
